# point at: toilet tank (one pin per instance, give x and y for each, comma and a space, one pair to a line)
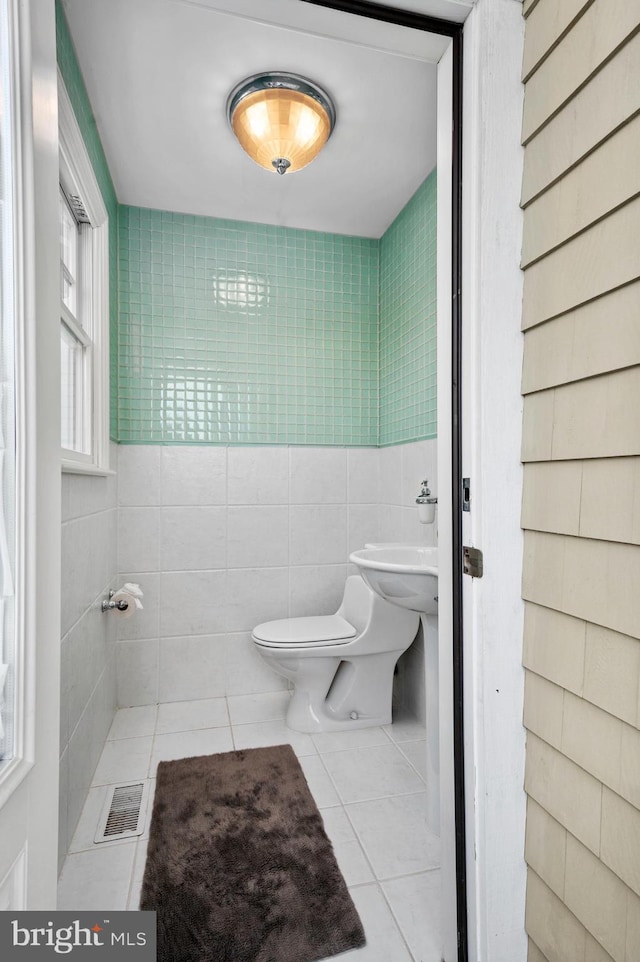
357, 603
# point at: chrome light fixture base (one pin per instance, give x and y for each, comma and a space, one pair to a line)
282, 80
279, 140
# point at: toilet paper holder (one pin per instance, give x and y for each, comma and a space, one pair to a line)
121, 604
125, 601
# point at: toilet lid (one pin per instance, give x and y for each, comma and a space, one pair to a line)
304, 631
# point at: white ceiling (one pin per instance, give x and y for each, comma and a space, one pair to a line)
158, 73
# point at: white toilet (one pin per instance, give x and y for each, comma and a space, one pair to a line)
341, 665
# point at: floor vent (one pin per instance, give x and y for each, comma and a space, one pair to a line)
124, 811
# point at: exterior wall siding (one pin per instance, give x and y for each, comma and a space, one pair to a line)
581, 500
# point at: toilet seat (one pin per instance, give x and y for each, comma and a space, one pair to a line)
305, 632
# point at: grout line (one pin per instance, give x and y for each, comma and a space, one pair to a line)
380, 798
424, 871
131, 879
233, 737
397, 921
90, 609
409, 762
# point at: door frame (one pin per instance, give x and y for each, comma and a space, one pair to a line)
450, 588
483, 411
491, 352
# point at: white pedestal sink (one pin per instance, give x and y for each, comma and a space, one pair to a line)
407, 575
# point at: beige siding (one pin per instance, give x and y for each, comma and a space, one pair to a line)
546, 847
581, 496
560, 513
594, 580
528, 5
603, 28
543, 708
557, 929
555, 646
612, 673
553, 928
597, 261
546, 25
610, 499
597, 498
598, 337
606, 179
535, 955
596, 897
585, 419
608, 101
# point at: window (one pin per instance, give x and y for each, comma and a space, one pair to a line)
84, 304
75, 336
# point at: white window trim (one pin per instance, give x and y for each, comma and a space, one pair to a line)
21, 134
77, 177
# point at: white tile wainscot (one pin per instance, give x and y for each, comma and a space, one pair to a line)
88, 640
222, 539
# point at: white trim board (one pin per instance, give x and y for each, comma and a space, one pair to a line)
492, 428
21, 138
77, 176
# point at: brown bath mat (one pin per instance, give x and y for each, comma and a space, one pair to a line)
239, 868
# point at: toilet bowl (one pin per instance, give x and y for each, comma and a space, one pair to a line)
341, 665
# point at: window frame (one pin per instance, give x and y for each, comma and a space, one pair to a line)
18, 207
78, 178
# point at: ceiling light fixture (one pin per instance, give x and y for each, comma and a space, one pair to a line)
281, 120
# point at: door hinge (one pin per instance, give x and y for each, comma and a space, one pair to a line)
472, 563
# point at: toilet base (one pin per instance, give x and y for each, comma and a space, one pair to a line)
333, 694
305, 716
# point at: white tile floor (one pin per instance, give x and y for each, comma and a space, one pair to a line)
368, 784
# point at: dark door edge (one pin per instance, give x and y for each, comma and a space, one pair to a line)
417, 21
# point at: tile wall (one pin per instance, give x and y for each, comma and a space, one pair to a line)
238, 333
234, 332
407, 340
223, 538
88, 649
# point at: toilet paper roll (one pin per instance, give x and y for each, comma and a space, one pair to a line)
131, 604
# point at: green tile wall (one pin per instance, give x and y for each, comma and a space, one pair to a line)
408, 321
241, 333
68, 65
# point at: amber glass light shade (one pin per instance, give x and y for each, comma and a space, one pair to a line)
279, 123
